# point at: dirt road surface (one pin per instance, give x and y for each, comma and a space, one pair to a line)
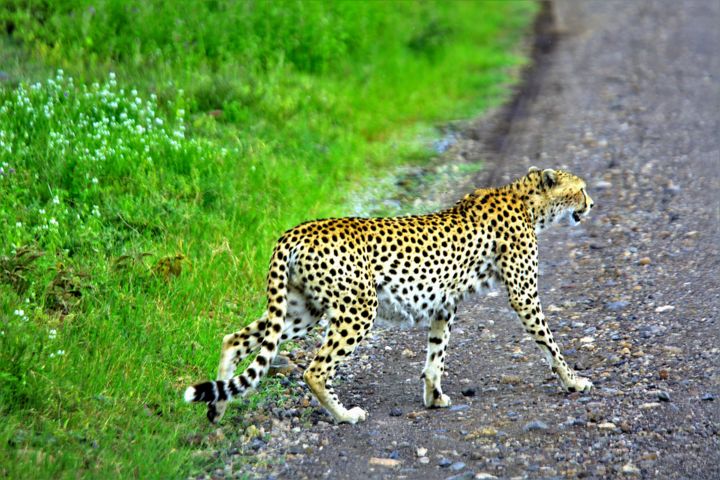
627, 95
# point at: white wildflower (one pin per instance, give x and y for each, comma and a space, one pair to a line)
52, 334
56, 200
54, 222
19, 312
18, 224
95, 180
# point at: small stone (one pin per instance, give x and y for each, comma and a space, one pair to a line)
484, 476
607, 426
407, 353
468, 392
256, 444
421, 451
444, 462
385, 462
663, 396
615, 306
644, 261
664, 308
424, 460
707, 397
587, 340
649, 405
630, 469
458, 408
663, 374
481, 432
467, 475
602, 184
396, 412
510, 380
251, 432
457, 466
535, 425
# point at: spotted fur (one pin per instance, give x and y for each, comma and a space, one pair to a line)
416, 268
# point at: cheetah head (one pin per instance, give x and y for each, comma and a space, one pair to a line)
558, 195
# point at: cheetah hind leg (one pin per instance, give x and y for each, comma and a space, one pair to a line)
339, 343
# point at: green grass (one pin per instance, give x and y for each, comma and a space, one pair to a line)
138, 208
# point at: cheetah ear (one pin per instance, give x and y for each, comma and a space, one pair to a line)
549, 178
533, 169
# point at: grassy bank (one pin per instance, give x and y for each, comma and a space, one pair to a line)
151, 152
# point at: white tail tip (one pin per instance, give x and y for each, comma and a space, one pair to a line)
190, 394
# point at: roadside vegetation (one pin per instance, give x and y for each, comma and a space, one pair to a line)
151, 153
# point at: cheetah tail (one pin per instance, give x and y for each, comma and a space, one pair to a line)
223, 390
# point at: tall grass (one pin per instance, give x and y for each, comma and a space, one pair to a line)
138, 208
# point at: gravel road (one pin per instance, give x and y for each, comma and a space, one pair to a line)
627, 95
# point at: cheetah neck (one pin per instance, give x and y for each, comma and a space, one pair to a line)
530, 191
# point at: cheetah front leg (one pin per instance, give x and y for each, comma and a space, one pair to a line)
438, 339
522, 291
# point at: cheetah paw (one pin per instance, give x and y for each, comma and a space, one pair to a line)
354, 415
443, 401
579, 384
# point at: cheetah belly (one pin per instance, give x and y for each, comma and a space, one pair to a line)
416, 308
396, 310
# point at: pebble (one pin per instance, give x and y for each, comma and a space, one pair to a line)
396, 412
444, 462
510, 380
484, 476
645, 261
663, 396
664, 308
468, 392
481, 432
535, 425
424, 460
602, 184
385, 462
458, 408
457, 466
421, 451
462, 476
407, 353
707, 397
649, 405
630, 469
615, 306
607, 426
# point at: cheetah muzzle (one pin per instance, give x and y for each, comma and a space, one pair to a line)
416, 269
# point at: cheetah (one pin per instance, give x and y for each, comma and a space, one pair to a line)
412, 268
